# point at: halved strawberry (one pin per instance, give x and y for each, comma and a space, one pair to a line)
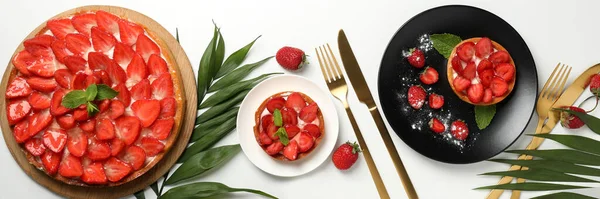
56, 107
461, 84
35, 146
309, 113
97, 150
59, 47
84, 22
91, 79
98, 61
312, 129
39, 121
416, 97
79, 81
81, 115
161, 128
486, 77
146, 47
459, 130
22, 60
266, 120
499, 57
93, 173
123, 54
18, 88
271, 132
103, 77
291, 130
136, 70
78, 43
63, 78
305, 142
17, 110
475, 93
116, 73
44, 66
436, 126
157, 65
162, 87
274, 148
70, 167
39, 101
483, 47
105, 130
102, 41
168, 107
141, 90
275, 103
107, 22
39, 45
123, 95
20, 131
116, 109
129, 32
506, 71
42, 84
289, 116
499, 87
116, 146
487, 96
146, 110
55, 139
466, 51
60, 27
436, 101
484, 64
135, 157
77, 142
151, 146
291, 150
116, 169
127, 129
51, 160
264, 139
66, 121
470, 71
295, 101
457, 65
104, 105
429, 76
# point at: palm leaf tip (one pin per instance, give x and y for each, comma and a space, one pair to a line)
532, 186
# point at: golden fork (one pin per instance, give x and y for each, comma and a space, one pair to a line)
339, 89
553, 88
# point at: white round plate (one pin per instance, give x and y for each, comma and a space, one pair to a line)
245, 125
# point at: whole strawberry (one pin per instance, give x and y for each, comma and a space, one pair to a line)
290, 58
570, 121
346, 155
416, 58
595, 84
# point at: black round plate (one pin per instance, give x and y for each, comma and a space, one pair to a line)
396, 76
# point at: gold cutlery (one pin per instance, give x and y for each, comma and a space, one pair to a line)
337, 86
364, 95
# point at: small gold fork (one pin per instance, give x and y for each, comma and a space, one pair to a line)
339, 89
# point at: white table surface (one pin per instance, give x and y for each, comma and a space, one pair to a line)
555, 31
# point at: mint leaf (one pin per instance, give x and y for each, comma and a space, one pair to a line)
484, 115
91, 92
105, 92
91, 108
283, 137
74, 98
277, 119
444, 43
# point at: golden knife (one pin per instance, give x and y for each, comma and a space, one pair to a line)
364, 95
566, 99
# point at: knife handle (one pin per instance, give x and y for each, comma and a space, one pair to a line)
391, 148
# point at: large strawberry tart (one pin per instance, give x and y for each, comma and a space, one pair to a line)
108, 140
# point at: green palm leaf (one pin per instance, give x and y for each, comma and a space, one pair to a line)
566, 155
563, 195
541, 175
553, 165
532, 186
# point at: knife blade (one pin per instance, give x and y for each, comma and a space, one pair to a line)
364, 95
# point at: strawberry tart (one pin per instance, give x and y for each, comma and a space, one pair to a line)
94, 99
289, 125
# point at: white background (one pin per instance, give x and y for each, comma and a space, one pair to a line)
555, 31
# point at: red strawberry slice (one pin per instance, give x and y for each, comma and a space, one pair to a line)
466, 51
162, 87
107, 22
97, 150
309, 113
56, 107
135, 157
436, 101
506, 71
78, 43
39, 101
499, 57
487, 96
483, 47
484, 64
22, 61
475, 93
266, 121
77, 142
470, 71
50, 160
146, 47
60, 27
291, 130
42, 84
429, 76
312, 129
129, 32
461, 84
151, 146
55, 139
66, 121
123, 54
93, 173
271, 131
459, 130
161, 128
168, 107
486, 77
291, 150
123, 95
457, 65
264, 139
39, 121
274, 148
116, 73
103, 77
295, 101
289, 116
44, 66
146, 110
18, 88
98, 61
116, 109
82, 115
20, 131
63, 78
116, 146
89, 125
70, 167
416, 97
157, 65
105, 130
17, 110
84, 22
59, 47
79, 81
39, 45
499, 87
91, 79
141, 90
102, 41
305, 142
436, 126
104, 105
116, 169
136, 70
35, 146
275, 103
127, 129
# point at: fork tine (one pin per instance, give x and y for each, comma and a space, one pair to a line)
554, 82
543, 92
337, 66
322, 66
333, 73
563, 80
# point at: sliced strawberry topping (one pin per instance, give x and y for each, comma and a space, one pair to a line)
168, 107
484, 64
56, 107
59, 47
104, 105
275, 103
312, 129
152, 146
17, 110
55, 139
146, 110
264, 139
486, 77
499, 57
123, 54
291, 130
79, 81
116, 73
66, 121
295, 102
18, 88
309, 113
129, 32
44, 66
97, 150
98, 61
141, 90
116, 109
135, 157
136, 70
105, 130
77, 142
22, 61
20, 131
63, 78
271, 131
93, 173
436, 101
82, 115
157, 65
50, 160
39, 121
274, 148
70, 167
84, 22
161, 128
483, 47
499, 87
305, 142
505, 70
487, 96
78, 43
470, 71
266, 121
39, 101
116, 169
102, 41
475, 93
466, 51
127, 129
116, 146
39, 45
289, 116
42, 84
103, 77
35, 146
107, 22
162, 87
60, 27
461, 84
291, 150
457, 65
91, 79
146, 47
123, 95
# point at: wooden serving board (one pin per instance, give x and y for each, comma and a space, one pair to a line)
186, 76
